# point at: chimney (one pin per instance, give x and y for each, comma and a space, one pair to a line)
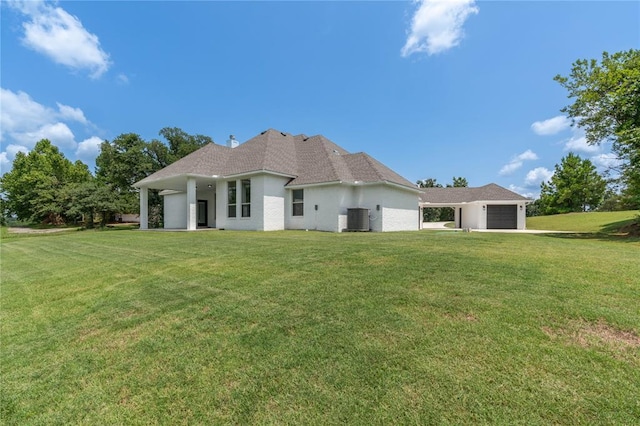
232, 142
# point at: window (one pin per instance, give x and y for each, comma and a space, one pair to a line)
231, 199
246, 197
298, 202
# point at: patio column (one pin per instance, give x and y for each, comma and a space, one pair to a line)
144, 208
192, 218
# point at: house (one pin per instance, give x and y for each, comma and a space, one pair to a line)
486, 207
278, 181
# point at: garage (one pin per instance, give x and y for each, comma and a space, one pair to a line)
502, 216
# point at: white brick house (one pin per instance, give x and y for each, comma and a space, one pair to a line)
278, 181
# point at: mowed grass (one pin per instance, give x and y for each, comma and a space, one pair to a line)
441, 327
604, 222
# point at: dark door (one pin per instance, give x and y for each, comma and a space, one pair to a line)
502, 216
202, 213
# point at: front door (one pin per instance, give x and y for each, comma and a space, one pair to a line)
202, 212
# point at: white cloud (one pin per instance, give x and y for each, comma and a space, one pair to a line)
7, 157
20, 112
58, 133
437, 25
578, 143
23, 122
71, 113
517, 161
12, 150
89, 149
551, 126
524, 191
5, 163
606, 161
536, 176
55, 33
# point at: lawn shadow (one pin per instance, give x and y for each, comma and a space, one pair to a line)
601, 236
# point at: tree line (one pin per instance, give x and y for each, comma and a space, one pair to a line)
45, 187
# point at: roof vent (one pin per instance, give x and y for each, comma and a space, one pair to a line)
232, 142
335, 151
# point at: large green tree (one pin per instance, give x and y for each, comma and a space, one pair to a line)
129, 158
181, 143
606, 105
574, 187
33, 187
89, 198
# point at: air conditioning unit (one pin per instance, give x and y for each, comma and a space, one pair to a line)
357, 220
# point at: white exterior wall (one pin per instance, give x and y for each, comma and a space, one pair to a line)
329, 200
272, 195
398, 208
522, 216
473, 216
267, 204
175, 211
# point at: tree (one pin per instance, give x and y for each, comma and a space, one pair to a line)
90, 198
459, 182
129, 159
575, 186
607, 106
428, 183
33, 186
180, 143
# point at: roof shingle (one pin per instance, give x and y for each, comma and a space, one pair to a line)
490, 192
308, 160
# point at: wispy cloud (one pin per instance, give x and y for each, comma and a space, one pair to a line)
53, 32
437, 25
122, 78
525, 192
578, 143
606, 161
517, 161
551, 126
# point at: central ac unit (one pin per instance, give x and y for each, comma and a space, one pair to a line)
358, 219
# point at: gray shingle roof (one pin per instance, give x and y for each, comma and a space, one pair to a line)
308, 160
490, 192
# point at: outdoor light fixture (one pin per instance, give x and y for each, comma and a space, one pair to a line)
484, 208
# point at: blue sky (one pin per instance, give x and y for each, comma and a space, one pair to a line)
431, 89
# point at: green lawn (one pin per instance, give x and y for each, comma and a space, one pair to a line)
131, 327
606, 222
